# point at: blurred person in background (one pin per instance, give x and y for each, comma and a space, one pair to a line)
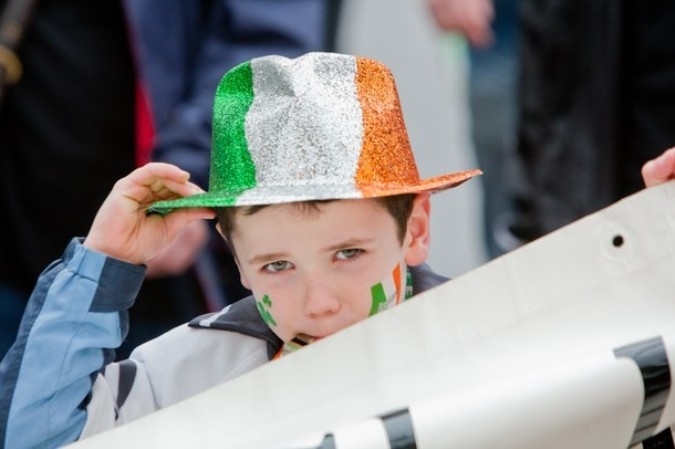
490, 28
596, 101
109, 85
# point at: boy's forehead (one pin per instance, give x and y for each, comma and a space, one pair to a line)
308, 207
304, 222
300, 210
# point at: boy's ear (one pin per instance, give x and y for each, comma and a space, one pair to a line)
242, 277
417, 235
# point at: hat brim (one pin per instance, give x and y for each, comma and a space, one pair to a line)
262, 195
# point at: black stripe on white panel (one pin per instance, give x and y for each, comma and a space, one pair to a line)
651, 358
663, 440
390, 431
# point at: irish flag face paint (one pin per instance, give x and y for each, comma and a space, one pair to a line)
389, 292
321, 126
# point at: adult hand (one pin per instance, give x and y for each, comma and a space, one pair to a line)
472, 18
121, 228
660, 169
181, 254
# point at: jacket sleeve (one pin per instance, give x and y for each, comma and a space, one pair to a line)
77, 310
232, 31
58, 382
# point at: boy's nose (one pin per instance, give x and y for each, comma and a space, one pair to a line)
320, 300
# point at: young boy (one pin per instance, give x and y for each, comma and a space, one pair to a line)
315, 189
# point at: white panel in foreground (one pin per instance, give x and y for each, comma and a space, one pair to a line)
516, 354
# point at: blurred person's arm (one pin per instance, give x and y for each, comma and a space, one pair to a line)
181, 253
472, 18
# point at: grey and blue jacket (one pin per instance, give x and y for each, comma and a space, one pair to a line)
58, 382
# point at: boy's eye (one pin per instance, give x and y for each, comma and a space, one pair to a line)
277, 266
348, 253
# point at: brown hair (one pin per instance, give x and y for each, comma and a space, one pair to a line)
398, 206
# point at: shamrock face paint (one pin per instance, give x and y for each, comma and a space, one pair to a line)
389, 292
264, 307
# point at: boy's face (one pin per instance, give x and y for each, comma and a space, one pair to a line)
313, 272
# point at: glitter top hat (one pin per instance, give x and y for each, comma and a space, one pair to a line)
321, 126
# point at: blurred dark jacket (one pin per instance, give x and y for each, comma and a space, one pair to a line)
597, 99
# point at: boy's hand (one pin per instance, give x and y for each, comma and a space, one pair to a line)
659, 170
121, 228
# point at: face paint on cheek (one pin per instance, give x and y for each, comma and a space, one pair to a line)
387, 293
265, 309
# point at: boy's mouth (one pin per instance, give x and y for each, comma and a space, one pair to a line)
305, 339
